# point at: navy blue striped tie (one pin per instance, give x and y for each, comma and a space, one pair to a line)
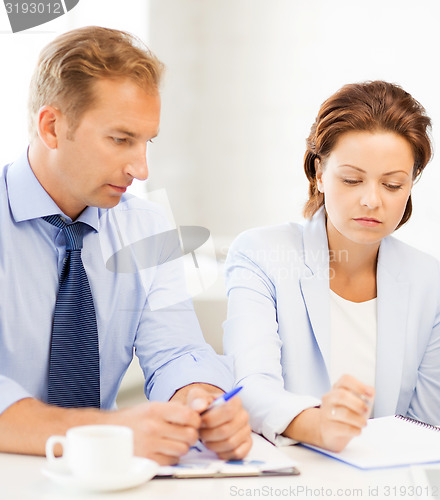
74, 350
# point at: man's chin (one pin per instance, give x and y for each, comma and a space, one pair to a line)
107, 203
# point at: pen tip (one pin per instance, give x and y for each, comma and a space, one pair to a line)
233, 392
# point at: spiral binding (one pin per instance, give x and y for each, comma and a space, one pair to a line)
419, 423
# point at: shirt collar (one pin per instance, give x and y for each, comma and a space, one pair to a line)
29, 200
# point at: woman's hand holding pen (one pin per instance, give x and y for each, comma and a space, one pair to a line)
343, 413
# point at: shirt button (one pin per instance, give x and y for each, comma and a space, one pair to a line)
63, 219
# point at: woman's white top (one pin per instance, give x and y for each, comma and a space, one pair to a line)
353, 330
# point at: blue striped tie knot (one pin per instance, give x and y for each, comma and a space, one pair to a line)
73, 232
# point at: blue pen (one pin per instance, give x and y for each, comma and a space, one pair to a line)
222, 399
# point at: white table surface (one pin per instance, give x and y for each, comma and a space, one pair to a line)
321, 477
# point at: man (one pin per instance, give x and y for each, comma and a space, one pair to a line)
68, 320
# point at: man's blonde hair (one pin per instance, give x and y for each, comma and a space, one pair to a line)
68, 67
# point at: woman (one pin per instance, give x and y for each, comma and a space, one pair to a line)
335, 320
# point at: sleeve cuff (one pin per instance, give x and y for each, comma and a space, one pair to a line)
10, 393
188, 369
278, 420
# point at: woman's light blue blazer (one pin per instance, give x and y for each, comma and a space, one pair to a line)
278, 325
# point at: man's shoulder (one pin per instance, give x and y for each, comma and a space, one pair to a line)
3, 173
132, 202
140, 210
4, 168
4, 195
134, 218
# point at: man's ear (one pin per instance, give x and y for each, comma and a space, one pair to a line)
318, 175
48, 126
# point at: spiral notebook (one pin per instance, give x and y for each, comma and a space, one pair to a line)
390, 442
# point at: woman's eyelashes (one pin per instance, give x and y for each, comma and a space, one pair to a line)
393, 187
351, 182
354, 182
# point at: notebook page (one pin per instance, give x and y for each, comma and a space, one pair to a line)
390, 442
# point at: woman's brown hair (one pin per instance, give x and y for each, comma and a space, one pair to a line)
368, 106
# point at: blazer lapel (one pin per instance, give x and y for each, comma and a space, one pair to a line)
392, 310
315, 282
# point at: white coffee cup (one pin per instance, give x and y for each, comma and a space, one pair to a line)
94, 452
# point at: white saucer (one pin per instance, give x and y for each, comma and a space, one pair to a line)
141, 471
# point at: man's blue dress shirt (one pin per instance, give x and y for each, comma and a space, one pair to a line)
145, 309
